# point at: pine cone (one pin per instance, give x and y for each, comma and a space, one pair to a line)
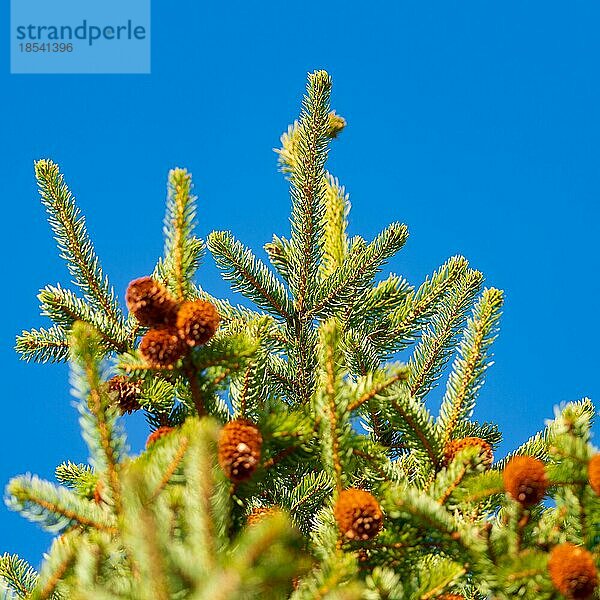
453, 447
162, 347
157, 434
358, 514
450, 597
525, 479
239, 449
127, 393
197, 322
573, 571
150, 302
259, 513
594, 473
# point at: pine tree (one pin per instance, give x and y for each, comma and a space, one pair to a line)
290, 456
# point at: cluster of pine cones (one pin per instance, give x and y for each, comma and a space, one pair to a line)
357, 512
359, 516
174, 327
572, 568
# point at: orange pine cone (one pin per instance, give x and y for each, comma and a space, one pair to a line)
525, 479
573, 571
126, 391
197, 322
150, 302
453, 447
358, 514
239, 449
594, 473
161, 348
157, 434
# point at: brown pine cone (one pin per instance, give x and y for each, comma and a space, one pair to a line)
162, 348
525, 479
157, 434
453, 447
358, 514
127, 393
150, 302
239, 449
573, 571
594, 473
197, 322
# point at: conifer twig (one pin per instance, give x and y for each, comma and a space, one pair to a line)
51, 506
470, 366
104, 441
50, 586
377, 389
18, 574
43, 345
416, 429
307, 179
192, 376
74, 243
171, 468
249, 275
330, 391
180, 182
183, 250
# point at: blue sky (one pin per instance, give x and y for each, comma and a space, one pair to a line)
475, 123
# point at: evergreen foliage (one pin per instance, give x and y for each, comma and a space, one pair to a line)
342, 430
